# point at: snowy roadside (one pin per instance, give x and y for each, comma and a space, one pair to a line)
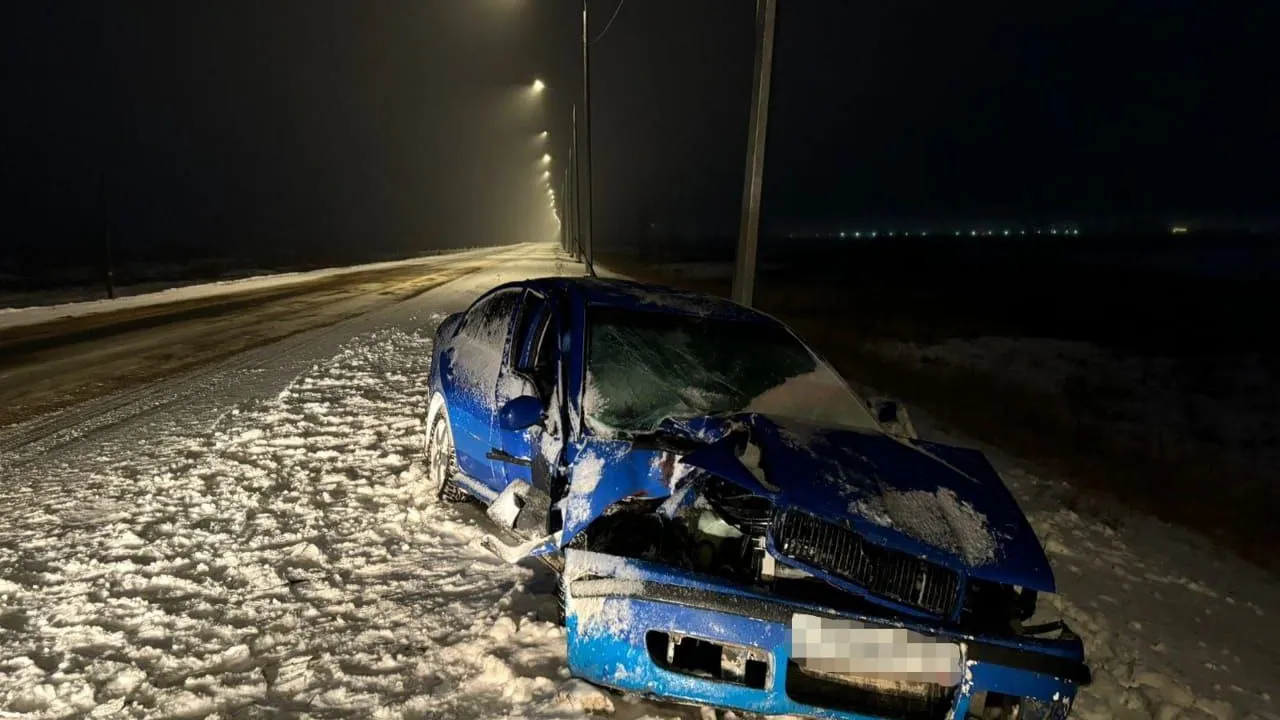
11, 317
284, 561
1220, 404
1174, 628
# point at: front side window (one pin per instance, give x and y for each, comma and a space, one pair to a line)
646, 367
533, 345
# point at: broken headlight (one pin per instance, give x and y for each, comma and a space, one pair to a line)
749, 513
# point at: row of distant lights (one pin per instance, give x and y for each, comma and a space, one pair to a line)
545, 161
960, 233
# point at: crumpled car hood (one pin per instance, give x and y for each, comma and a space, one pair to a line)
943, 503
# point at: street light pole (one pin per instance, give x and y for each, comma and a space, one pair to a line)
586, 143
575, 158
744, 271
566, 230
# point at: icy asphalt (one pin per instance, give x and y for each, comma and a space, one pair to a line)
253, 540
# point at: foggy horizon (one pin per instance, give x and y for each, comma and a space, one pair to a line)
289, 127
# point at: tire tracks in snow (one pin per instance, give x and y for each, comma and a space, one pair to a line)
59, 428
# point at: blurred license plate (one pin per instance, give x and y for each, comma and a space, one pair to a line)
848, 647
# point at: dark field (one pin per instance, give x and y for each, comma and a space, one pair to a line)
1167, 403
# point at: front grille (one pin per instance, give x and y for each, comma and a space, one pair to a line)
887, 573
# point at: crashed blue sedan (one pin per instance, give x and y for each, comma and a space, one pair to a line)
733, 525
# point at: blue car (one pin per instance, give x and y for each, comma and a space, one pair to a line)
732, 524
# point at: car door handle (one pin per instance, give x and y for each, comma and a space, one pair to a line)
506, 457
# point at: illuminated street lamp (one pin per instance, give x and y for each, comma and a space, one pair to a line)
546, 158
538, 86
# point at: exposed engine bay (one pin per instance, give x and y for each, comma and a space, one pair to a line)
714, 527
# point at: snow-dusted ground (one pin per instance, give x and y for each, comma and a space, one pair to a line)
1220, 404
1173, 626
22, 311
275, 555
260, 545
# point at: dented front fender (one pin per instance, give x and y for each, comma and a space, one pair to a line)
605, 472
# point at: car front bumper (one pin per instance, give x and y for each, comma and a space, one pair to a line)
625, 617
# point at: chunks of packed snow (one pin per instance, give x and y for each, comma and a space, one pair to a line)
938, 518
578, 695
871, 509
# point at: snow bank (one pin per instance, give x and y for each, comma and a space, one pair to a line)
18, 316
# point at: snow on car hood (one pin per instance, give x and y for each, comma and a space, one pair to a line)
939, 502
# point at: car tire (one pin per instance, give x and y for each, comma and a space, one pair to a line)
442, 461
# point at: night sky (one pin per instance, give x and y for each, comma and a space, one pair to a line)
286, 127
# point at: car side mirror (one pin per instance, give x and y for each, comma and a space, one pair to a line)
521, 412
887, 412
894, 418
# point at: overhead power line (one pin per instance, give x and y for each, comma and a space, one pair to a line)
609, 24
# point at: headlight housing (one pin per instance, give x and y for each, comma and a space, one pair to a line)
995, 607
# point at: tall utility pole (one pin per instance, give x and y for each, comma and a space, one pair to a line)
564, 210
744, 270
589, 235
574, 159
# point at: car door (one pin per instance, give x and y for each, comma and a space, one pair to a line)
531, 369
474, 367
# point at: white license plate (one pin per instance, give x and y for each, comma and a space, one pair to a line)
849, 647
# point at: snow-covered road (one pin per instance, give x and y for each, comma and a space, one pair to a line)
253, 540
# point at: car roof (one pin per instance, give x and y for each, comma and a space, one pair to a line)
632, 295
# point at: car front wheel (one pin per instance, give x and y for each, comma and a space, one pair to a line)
442, 462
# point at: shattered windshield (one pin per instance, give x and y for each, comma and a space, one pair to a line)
645, 367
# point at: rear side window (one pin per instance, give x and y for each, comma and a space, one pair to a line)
481, 340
